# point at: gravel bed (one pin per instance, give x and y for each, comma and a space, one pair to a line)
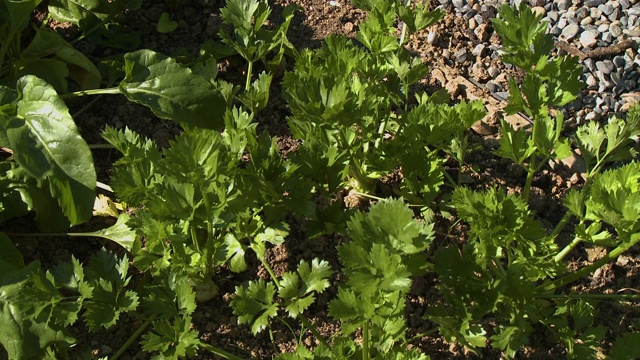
613, 80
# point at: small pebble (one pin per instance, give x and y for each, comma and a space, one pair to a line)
432, 37
606, 9
634, 11
619, 62
477, 51
493, 71
607, 37
586, 21
472, 24
570, 31
588, 38
592, 116
563, 5
632, 32
538, 10
492, 86
605, 66
592, 3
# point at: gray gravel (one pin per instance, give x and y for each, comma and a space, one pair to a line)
586, 25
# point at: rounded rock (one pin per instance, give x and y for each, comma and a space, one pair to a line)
570, 31
432, 37
472, 24
606, 9
605, 66
594, 3
589, 38
493, 71
492, 86
477, 51
539, 10
619, 61
607, 37
632, 32
563, 5
586, 21
591, 81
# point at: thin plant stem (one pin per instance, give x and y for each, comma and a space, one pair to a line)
365, 340
271, 273
561, 224
612, 255
422, 335
313, 330
87, 106
567, 249
247, 84
108, 91
219, 352
133, 337
403, 34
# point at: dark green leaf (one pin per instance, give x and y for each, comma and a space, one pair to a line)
47, 144
172, 91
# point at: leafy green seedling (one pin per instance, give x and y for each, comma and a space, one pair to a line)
99, 21
251, 38
38, 307
165, 24
547, 83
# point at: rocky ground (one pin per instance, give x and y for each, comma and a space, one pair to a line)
464, 54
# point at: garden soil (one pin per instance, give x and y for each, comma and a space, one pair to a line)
199, 21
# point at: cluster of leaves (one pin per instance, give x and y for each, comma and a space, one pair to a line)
352, 102
220, 189
502, 283
386, 248
38, 306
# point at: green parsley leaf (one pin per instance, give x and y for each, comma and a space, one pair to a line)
253, 304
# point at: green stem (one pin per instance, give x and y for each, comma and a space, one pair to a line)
567, 249
612, 255
422, 335
313, 330
247, 84
354, 170
404, 26
219, 352
108, 91
530, 173
132, 338
365, 340
194, 237
563, 222
271, 273
454, 184
381, 129
85, 107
